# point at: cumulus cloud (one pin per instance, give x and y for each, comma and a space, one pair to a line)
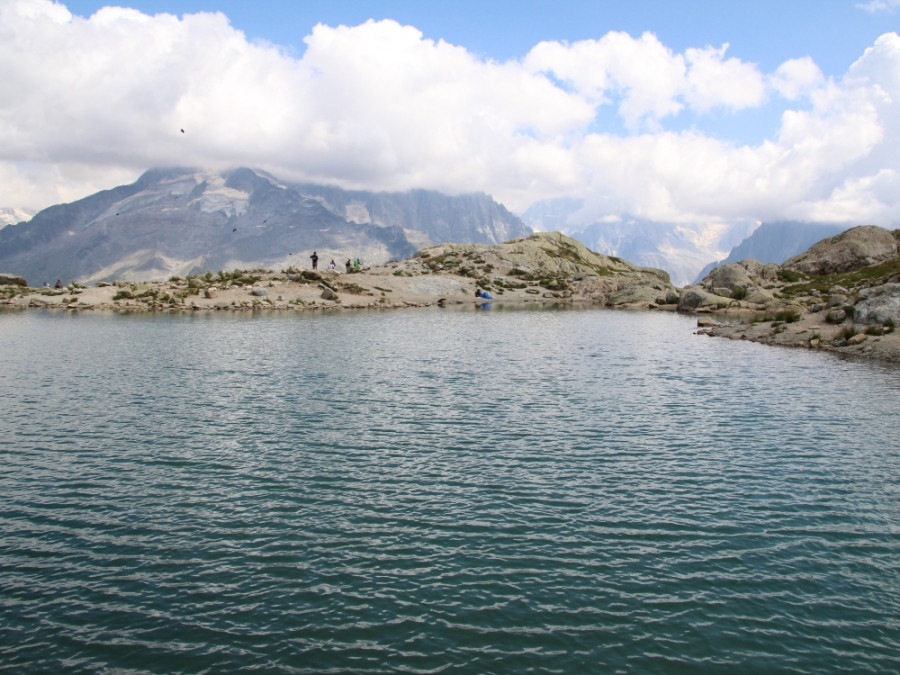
797, 78
87, 104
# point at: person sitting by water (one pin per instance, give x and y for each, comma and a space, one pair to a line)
483, 294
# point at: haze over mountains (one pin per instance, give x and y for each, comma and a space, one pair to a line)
181, 221
680, 249
776, 242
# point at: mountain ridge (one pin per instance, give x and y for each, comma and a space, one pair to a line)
179, 220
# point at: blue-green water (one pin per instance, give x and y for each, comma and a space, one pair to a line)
441, 491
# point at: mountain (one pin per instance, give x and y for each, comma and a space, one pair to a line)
776, 242
680, 249
180, 221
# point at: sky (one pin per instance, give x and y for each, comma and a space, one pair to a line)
687, 112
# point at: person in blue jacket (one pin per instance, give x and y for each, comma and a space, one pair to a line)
483, 294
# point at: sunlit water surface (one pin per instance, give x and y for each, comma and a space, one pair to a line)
428, 490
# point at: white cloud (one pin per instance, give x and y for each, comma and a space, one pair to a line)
715, 81
797, 78
879, 5
87, 104
642, 73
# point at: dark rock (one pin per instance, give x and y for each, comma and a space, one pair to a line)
12, 280
836, 316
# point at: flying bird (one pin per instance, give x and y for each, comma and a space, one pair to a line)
182, 131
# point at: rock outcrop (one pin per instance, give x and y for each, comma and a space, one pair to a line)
12, 280
879, 305
547, 267
742, 284
550, 266
851, 250
843, 294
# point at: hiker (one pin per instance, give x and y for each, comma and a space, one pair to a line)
348, 265
331, 265
315, 260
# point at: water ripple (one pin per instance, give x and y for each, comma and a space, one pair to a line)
438, 492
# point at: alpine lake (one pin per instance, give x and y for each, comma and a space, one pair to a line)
477, 490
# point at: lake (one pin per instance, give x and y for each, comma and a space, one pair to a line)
431, 490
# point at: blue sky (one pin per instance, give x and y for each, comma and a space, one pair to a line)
689, 111
833, 32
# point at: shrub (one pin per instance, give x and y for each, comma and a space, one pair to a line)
848, 332
739, 293
787, 316
789, 276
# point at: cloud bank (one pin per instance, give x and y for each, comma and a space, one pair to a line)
618, 121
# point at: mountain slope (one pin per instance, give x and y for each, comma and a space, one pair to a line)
180, 221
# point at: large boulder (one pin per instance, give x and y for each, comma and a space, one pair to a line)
728, 278
759, 296
696, 298
12, 280
858, 247
878, 305
747, 277
637, 294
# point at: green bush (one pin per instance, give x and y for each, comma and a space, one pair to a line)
789, 276
787, 316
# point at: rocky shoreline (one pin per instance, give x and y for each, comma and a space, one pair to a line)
826, 300
809, 331
842, 296
544, 268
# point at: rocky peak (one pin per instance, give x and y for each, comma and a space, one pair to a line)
851, 250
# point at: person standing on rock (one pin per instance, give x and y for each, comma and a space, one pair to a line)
348, 265
315, 260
